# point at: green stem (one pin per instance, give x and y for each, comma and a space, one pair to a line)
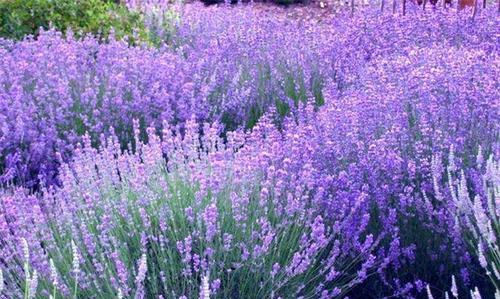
26, 275
76, 287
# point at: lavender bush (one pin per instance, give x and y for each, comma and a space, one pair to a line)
67, 87
135, 225
479, 216
407, 115
477, 219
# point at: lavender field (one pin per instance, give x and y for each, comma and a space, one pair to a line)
251, 151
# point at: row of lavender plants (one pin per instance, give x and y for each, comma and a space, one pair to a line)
215, 65
381, 179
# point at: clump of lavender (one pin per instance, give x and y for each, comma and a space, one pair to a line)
137, 223
480, 215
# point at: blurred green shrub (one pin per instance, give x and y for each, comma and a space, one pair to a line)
19, 18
